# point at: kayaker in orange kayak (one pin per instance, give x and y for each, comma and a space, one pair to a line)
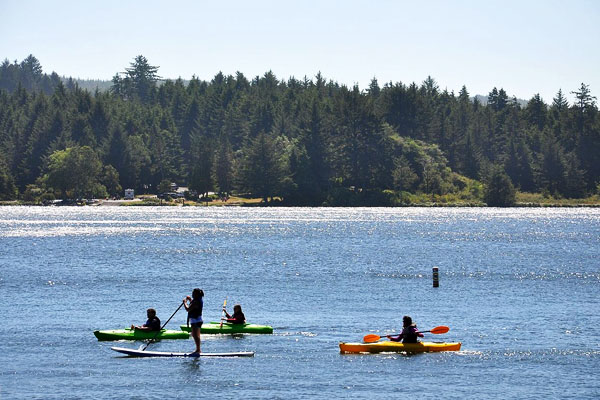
409, 333
237, 317
152, 324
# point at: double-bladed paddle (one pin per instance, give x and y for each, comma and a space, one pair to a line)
437, 330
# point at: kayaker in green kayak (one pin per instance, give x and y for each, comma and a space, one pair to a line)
152, 324
237, 317
409, 333
193, 305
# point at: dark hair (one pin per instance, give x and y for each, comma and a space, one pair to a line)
406, 320
151, 311
197, 293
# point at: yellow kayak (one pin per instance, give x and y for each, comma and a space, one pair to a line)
397, 347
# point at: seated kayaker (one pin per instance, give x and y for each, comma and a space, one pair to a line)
237, 317
409, 332
152, 324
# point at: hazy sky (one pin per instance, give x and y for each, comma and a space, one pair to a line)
525, 47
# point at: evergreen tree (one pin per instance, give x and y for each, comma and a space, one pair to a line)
499, 191
191, 130
8, 189
202, 167
137, 164
315, 144
359, 136
31, 73
116, 152
139, 82
300, 188
262, 171
553, 168
223, 167
588, 130
536, 112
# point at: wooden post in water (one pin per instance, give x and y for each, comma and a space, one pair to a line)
436, 277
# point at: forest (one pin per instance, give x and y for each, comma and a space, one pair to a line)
296, 142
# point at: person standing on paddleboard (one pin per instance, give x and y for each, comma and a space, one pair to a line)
193, 305
152, 324
409, 334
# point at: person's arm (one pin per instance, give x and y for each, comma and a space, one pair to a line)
186, 303
397, 338
187, 307
419, 334
142, 328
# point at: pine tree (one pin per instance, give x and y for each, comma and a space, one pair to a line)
536, 112
139, 82
499, 191
223, 168
262, 171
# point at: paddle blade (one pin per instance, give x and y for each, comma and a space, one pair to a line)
371, 338
223, 312
439, 329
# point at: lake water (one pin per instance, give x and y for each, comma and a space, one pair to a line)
518, 287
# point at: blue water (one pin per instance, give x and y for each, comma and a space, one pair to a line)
518, 287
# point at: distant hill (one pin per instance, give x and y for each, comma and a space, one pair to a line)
93, 84
89, 84
484, 100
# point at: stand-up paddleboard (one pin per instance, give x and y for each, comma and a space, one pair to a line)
146, 353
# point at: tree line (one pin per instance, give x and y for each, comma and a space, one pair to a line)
302, 141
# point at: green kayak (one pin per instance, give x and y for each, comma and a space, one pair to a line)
128, 334
227, 328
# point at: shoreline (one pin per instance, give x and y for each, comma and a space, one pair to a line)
140, 203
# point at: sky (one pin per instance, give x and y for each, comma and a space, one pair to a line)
525, 47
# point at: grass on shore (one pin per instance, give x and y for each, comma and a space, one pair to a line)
231, 201
544, 200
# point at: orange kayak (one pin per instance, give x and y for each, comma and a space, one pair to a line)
397, 347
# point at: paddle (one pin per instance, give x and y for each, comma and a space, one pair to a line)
162, 327
223, 313
437, 330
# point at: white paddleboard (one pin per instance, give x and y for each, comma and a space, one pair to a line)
146, 353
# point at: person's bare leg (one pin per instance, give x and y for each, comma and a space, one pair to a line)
196, 336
